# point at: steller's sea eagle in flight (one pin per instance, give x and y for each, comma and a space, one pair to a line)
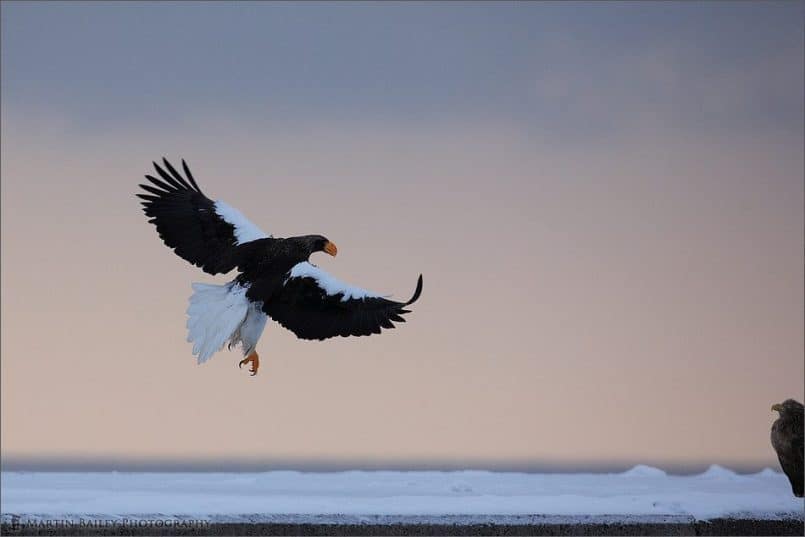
275, 277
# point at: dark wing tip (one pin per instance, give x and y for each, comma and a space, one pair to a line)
173, 178
190, 176
417, 292
176, 175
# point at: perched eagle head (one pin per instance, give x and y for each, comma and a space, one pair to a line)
789, 406
319, 243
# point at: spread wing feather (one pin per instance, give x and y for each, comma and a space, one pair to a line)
314, 305
199, 230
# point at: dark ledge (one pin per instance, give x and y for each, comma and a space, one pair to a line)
164, 524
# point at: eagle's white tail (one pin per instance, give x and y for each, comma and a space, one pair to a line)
216, 313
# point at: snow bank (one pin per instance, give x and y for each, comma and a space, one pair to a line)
639, 491
720, 473
642, 470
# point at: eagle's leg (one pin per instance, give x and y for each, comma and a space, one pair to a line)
252, 359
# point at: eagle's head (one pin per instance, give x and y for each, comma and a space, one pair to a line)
319, 243
789, 406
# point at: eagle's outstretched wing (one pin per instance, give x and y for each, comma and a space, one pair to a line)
314, 305
199, 230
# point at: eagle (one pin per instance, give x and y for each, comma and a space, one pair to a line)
275, 279
786, 438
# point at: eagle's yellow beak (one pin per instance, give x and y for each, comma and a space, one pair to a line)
776, 407
330, 248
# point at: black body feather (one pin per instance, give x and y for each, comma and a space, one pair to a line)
787, 440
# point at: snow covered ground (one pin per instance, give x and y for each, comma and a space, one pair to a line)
640, 491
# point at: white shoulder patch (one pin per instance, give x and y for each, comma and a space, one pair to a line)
245, 230
329, 284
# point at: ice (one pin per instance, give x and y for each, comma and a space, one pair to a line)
642, 470
719, 472
768, 472
640, 491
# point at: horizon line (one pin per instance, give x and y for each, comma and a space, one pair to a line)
76, 463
